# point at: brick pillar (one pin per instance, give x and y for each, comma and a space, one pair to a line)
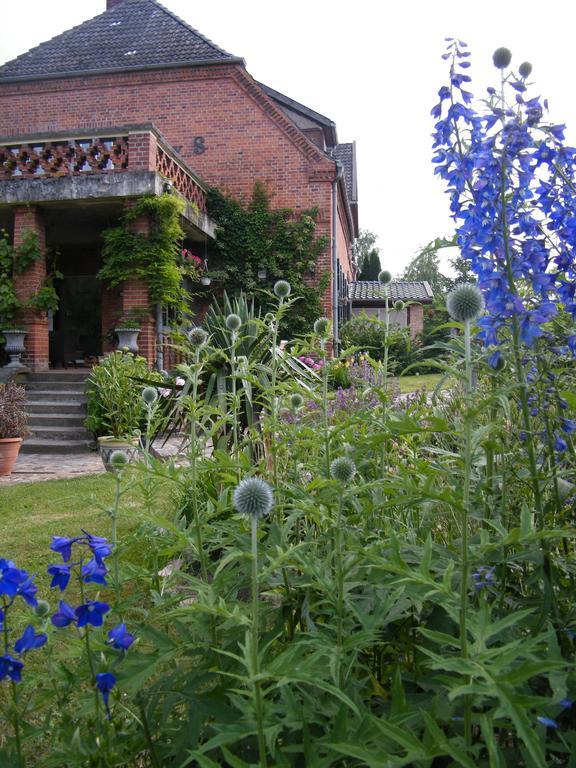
415, 319
36, 357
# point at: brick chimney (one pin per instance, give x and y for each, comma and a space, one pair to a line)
112, 3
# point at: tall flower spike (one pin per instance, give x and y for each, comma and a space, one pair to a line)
253, 497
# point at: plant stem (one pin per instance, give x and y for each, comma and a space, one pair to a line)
16, 717
254, 644
273, 396
325, 408
465, 523
193, 468
385, 405
339, 586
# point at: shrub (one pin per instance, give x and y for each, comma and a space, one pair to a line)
367, 333
114, 404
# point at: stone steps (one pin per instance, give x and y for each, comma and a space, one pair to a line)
56, 413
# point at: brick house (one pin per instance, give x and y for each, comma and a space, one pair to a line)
122, 105
368, 297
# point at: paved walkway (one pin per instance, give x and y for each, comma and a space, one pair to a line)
34, 467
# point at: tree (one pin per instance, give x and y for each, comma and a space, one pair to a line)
371, 266
363, 248
426, 266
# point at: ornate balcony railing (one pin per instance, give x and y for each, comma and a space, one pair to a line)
62, 158
132, 148
182, 179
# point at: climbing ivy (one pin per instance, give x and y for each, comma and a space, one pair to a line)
18, 260
155, 257
282, 242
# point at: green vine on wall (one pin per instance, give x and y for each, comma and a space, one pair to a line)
154, 257
16, 261
282, 242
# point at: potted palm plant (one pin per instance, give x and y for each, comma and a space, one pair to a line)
13, 424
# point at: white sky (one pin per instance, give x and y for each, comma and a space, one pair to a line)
372, 67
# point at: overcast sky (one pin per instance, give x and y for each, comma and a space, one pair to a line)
372, 67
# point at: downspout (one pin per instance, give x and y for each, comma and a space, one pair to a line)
335, 297
159, 339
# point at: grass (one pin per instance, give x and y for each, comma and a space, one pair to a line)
425, 382
31, 513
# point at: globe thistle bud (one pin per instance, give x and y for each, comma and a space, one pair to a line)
525, 69
296, 401
149, 395
384, 277
233, 323
322, 327
118, 460
342, 469
465, 302
399, 305
282, 289
502, 58
197, 336
253, 497
42, 608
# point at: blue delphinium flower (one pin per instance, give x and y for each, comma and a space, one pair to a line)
566, 703
11, 668
63, 546
16, 582
60, 576
64, 616
105, 682
30, 640
547, 721
92, 613
484, 577
120, 638
94, 571
560, 444
99, 546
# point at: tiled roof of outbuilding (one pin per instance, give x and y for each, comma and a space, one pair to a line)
373, 291
132, 34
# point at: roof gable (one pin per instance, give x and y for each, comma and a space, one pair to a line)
131, 35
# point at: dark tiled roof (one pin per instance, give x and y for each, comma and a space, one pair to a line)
345, 154
132, 34
372, 291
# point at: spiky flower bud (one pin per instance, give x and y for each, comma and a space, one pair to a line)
465, 302
253, 497
149, 395
342, 469
282, 289
384, 277
118, 459
42, 608
197, 336
525, 69
399, 305
322, 327
233, 323
502, 58
296, 401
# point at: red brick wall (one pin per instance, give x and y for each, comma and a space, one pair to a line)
26, 284
244, 134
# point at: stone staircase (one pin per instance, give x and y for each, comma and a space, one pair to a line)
56, 413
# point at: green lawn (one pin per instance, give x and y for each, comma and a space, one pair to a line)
425, 381
31, 513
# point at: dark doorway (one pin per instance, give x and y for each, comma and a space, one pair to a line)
76, 337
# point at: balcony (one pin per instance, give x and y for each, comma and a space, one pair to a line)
106, 164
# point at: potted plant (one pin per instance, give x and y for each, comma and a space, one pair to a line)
127, 330
116, 411
13, 424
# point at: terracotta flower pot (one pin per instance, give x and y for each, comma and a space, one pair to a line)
9, 449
